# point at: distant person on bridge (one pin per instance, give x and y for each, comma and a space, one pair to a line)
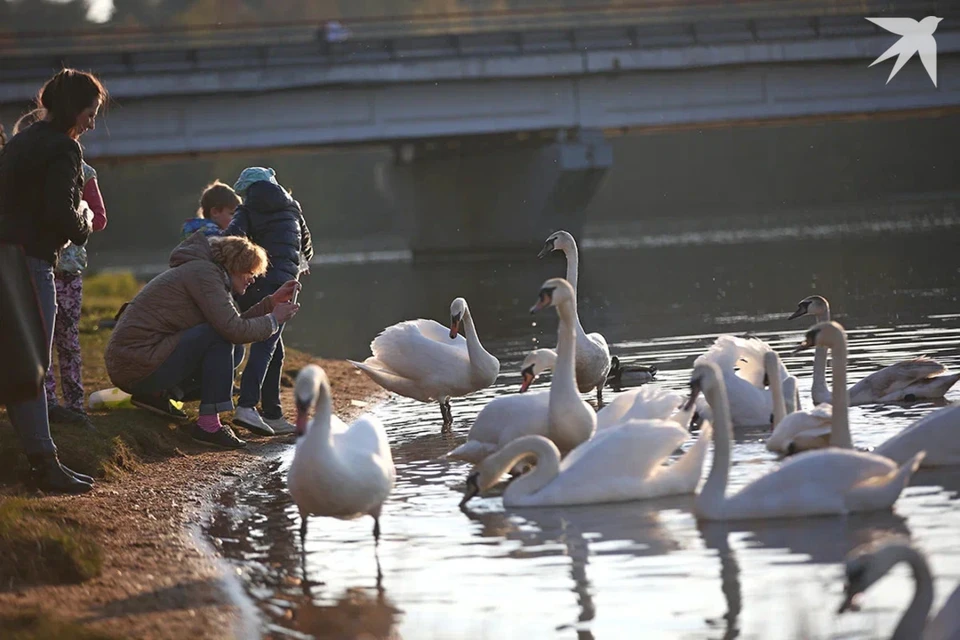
41, 210
270, 217
217, 204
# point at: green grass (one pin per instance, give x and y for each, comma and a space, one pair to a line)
39, 545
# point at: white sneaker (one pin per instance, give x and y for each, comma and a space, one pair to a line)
249, 419
280, 425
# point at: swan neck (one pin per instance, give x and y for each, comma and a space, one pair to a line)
915, 617
714, 490
544, 471
564, 372
323, 412
840, 431
573, 264
474, 348
819, 387
776, 390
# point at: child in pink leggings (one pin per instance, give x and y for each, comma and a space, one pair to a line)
66, 336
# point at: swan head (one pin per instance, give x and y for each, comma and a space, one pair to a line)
811, 306
823, 334
457, 310
553, 293
306, 392
534, 364
558, 241
867, 564
705, 377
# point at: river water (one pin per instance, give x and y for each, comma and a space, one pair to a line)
633, 570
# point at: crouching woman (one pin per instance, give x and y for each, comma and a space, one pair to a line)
180, 330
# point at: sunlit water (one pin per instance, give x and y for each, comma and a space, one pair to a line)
642, 569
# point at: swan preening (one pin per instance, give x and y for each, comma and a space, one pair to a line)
795, 430
593, 355
904, 381
423, 360
868, 564
337, 470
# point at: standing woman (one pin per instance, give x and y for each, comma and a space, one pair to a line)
41, 184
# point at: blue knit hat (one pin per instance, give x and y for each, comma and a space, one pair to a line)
254, 174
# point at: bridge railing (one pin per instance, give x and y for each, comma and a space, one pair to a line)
524, 16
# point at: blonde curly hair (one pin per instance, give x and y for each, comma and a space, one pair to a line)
236, 254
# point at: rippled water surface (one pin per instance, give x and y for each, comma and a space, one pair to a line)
632, 570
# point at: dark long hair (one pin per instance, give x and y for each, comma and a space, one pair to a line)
63, 98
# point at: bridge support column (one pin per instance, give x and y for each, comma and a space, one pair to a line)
503, 199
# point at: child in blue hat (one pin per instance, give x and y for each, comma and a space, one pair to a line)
271, 218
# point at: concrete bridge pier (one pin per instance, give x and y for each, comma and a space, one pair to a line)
487, 195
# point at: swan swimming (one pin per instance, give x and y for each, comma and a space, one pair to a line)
797, 430
904, 381
423, 360
831, 481
593, 354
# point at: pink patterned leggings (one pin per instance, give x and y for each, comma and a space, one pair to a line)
66, 339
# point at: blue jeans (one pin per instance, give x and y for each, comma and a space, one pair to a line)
29, 417
261, 377
203, 358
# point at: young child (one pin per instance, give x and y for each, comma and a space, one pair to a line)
271, 218
68, 277
217, 204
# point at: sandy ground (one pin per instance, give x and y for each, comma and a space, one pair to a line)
160, 579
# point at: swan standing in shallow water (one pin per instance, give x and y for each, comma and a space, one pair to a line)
423, 360
823, 482
904, 381
338, 471
937, 433
798, 430
867, 565
593, 354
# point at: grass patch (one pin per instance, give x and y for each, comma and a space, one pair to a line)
43, 626
38, 545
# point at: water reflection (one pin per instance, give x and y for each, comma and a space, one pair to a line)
639, 569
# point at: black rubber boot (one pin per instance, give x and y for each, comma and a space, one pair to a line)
48, 475
82, 477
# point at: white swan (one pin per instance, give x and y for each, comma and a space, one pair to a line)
904, 381
648, 402
558, 413
741, 362
798, 430
593, 354
868, 564
823, 482
616, 465
936, 433
571, 420
535, 363
423, 360
338, 471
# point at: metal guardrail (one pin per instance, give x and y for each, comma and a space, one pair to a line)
535, 16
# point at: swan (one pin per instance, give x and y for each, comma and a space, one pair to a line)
904, 381
558, 413
936, 433
616, 465
421, 359
593, 354
823, 482
797, 430
867, 565
741, 361
571, 420
535, 363
337, 471
645, 403
621, 376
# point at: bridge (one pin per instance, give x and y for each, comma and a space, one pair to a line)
499, 117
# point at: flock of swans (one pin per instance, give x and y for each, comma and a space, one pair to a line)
559, 450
